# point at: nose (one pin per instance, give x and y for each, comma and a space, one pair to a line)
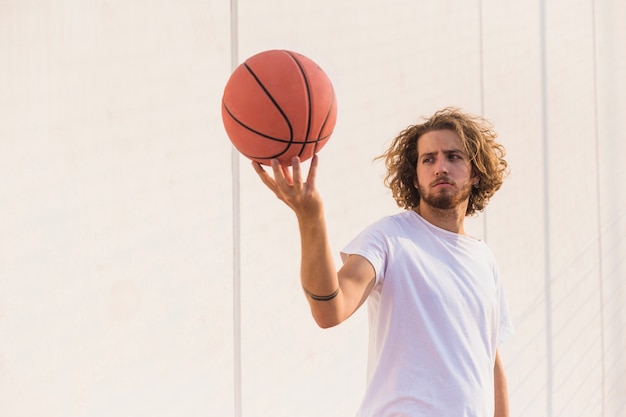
441, 167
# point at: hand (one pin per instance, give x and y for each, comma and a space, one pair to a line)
302, 197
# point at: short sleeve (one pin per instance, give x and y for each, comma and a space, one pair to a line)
505, 328
371, 244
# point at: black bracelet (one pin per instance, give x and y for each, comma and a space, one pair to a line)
321, 297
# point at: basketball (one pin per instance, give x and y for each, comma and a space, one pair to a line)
279, 104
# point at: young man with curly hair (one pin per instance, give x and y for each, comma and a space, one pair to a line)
437, 311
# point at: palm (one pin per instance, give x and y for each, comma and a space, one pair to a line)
289, 186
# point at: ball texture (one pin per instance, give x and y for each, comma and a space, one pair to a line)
279, 104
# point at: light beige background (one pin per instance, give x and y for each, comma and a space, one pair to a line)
145, 270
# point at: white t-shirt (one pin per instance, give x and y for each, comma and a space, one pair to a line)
436, 316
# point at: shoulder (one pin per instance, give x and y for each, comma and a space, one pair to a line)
389, 232
375, 240
399, 221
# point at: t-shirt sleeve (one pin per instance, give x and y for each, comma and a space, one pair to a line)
371, 244
505, 328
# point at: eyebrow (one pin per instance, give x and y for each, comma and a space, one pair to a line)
446, 152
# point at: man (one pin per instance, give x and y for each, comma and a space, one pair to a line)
437, 311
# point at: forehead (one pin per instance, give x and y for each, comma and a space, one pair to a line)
439, 141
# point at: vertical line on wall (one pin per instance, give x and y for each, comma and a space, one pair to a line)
598, 195
482, 88
234, 59
546, 208
481, 54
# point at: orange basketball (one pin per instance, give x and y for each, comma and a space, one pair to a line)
279, 104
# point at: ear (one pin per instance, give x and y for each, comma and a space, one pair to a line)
475, 178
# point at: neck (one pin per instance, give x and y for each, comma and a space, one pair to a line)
451, 220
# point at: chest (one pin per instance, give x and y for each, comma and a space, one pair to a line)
442, 279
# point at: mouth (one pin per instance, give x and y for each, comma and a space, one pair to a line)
442, 183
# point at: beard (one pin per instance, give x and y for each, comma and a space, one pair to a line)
445, 199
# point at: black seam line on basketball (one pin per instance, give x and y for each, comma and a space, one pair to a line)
297, 142
268, 157
308, 92
330, 108
256, 132
247, 155
273, 101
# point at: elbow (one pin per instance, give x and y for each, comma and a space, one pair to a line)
326, 322
328, 314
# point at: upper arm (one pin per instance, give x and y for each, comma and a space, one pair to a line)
356, 277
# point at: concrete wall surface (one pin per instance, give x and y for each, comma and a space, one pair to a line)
146, 271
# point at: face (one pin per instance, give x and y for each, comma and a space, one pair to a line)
444, 173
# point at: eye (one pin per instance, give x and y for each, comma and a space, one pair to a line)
454, 157
427, 160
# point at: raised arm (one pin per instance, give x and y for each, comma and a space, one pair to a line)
333, 295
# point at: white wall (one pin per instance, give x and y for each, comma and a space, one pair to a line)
142, 272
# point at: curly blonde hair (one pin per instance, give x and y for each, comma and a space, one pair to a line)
479, 140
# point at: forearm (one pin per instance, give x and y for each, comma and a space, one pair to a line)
317, 271
319, 277
500, 390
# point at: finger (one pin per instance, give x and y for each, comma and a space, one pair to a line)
287, 174
310, 180
265, 177
282, 177
258, 168
297, 170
